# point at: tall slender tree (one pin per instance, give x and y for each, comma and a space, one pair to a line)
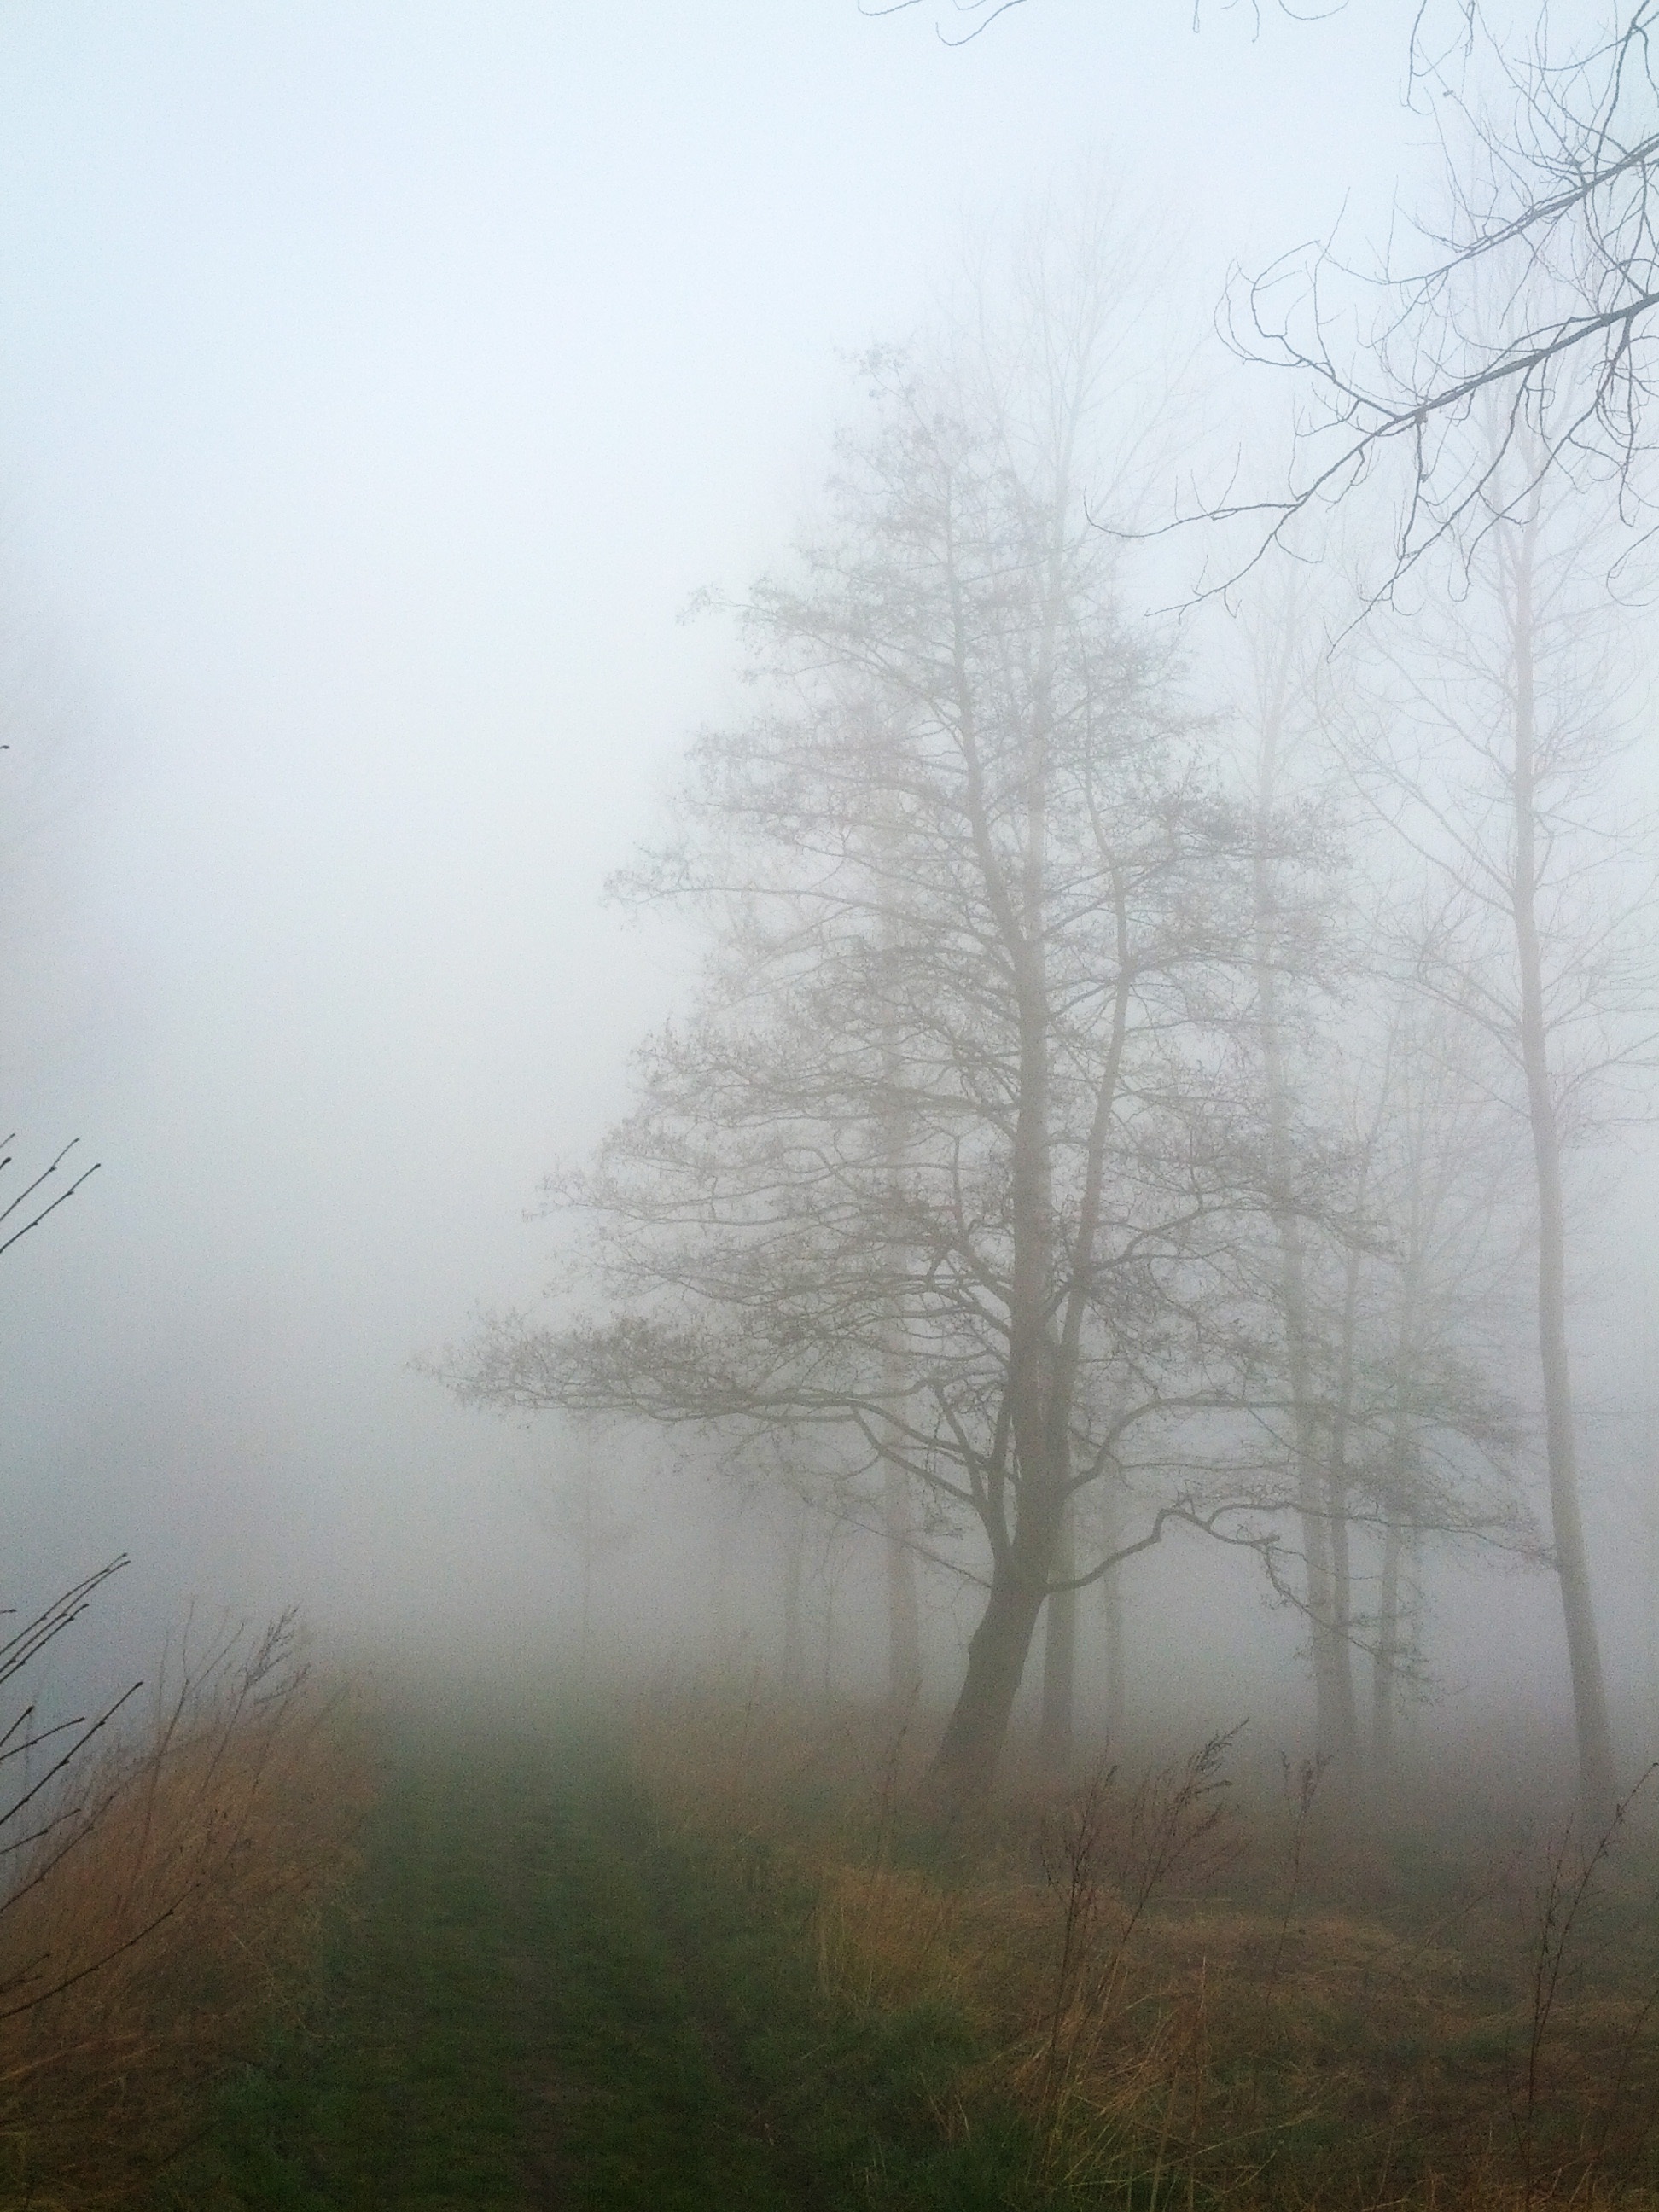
1439, 1308
1324, 1534
1391, 1417
1496, 764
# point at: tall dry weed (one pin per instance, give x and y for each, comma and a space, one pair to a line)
1193, 2009
1105, 1875
163, 1914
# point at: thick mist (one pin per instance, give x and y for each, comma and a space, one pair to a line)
378, 388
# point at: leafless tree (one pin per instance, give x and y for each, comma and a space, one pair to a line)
1496, 764
1527, 298
1390, 1418
1508, 342
1444, 1175
937, 1170
1324, 1533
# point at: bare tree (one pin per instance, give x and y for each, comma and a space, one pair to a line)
1389, 1418
1550, 158
1444, 1175
970, 849
1495, 765
1510, 343
1324, 1533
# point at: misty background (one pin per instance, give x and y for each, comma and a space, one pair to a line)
377, 386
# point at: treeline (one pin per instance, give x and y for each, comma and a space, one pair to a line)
1134, 1077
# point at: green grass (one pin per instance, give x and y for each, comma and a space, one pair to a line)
538, 1997
404, 2088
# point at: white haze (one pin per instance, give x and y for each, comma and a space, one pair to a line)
376, 384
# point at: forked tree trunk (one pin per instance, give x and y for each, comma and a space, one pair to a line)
964, 1767
1042, 1359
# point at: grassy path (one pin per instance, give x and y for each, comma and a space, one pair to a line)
542, 2001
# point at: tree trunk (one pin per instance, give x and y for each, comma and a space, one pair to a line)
1398, 1505
1333, 1707
1597, 1784
965, 1765
1345, 1709
1040, 1382
1054, 1734
830, 1648
1111, 1598
903, 1614
1391, 1648
794, 1563
1385, 1665
1346, 1714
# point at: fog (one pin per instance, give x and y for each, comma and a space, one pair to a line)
378, 386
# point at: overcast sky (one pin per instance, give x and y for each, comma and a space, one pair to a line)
376, 384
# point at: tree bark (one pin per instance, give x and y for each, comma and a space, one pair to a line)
965, 1765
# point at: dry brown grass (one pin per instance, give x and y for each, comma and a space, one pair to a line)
165, 1916
1195, 2004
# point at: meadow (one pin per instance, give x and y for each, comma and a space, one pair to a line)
702, 1950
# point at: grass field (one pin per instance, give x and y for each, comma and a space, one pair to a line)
541, 1994
700, 1960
